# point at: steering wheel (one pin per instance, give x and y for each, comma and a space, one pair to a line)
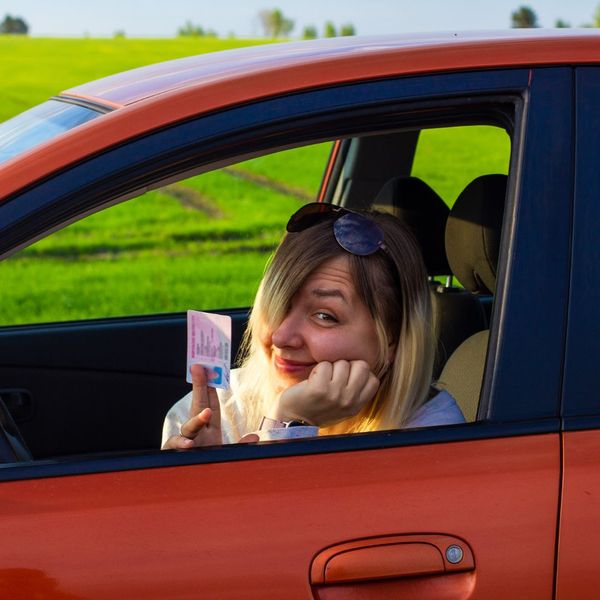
12, 445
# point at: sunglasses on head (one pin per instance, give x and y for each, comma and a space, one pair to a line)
353, 231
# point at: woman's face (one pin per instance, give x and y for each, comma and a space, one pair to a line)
327, 321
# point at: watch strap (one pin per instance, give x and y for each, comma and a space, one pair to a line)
268, 423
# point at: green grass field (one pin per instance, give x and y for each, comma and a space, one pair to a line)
34, 69
202, 243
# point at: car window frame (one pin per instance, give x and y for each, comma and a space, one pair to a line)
537, 225
580, 408
186, 147
65, 195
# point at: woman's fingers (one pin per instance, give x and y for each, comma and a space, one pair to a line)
333, 392
200, 399
190, 429
359, 375
340, 374
343, 377
321, 374
352, 382
197, 431
369, 389
354, 385
203, 428
178, 442
204, 396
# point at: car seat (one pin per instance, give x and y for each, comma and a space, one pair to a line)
457, 314
412, 201
472, 245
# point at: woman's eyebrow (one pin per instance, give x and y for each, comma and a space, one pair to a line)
329, 293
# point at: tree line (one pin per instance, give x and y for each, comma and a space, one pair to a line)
525, 17
275, 24
14, 25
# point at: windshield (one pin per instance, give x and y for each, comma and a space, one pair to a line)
40, 124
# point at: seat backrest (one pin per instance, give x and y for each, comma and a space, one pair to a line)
457, 314
463, 373
412, 201
473, 245
473, 233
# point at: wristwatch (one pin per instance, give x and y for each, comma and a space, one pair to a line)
268, 423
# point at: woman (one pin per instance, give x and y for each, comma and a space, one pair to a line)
339, 340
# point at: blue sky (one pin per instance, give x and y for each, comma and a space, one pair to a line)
151, 18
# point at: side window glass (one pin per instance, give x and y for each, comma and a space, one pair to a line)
202, 243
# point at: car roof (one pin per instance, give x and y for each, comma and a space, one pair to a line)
418, 53
151, 97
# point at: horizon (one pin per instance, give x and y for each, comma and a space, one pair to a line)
239, 18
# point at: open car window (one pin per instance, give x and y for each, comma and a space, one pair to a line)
202, 243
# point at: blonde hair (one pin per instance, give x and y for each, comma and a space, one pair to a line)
392, 283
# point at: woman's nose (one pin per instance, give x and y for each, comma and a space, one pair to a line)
288, 334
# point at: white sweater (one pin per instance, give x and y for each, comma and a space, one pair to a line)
439, 410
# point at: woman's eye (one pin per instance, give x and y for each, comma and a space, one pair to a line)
323, 316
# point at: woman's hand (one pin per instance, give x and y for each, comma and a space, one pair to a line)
333, 392
204, 425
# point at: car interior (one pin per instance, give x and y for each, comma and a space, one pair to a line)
104, 384
471, 232
460, 241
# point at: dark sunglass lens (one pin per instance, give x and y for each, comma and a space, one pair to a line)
357, 234
309, 215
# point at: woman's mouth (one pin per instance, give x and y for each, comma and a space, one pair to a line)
292, 366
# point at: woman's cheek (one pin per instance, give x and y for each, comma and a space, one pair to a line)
265, 337
331, 347
345, 347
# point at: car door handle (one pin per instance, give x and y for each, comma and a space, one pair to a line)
391, 557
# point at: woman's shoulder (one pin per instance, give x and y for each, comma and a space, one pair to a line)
441, 409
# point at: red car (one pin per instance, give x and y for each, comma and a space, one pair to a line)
504, 505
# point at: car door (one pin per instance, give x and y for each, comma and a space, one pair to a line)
579, 532
449, 512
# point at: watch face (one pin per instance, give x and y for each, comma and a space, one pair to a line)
294, 424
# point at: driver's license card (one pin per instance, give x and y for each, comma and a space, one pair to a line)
209, 344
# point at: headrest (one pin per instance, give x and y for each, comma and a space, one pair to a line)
473, 233
413, 202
